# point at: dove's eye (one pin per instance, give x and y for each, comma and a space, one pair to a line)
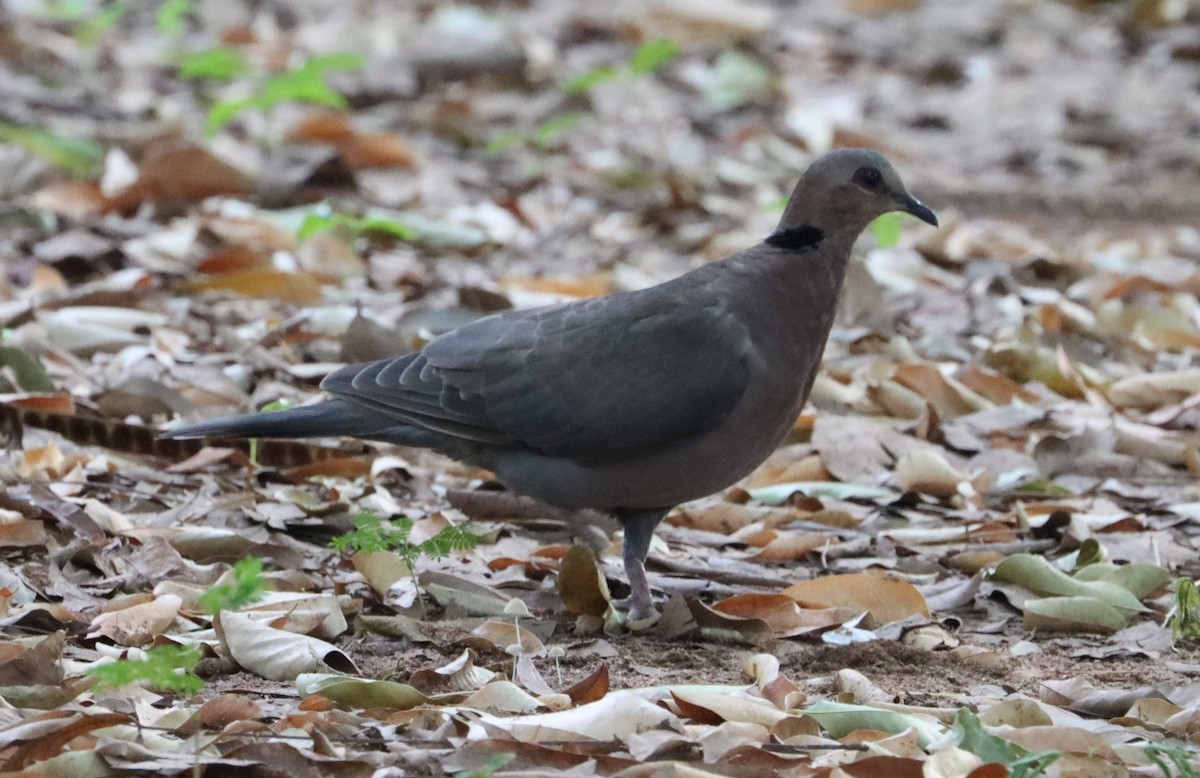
868, 177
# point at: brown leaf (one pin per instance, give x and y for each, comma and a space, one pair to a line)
43, 736
173, 173
297, 288
22, 533
41, 664
782, 613
581, 584
321, 127
590, 689
376, 150
225, 709
886, 599
235, 258
334, 467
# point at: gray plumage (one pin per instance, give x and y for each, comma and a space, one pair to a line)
631, 403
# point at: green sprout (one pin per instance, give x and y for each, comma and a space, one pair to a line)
216, 64
1185, 615
166, 667
78, 156
171, 16
315, 223
645, 61
304, 83
171, 667
247, 587
93, 30
371, 535
1183, 760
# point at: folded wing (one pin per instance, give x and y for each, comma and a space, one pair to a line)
567, 381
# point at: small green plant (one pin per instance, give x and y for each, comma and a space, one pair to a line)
92, 30
1185, 615
1183, 760
304, 83
646, 59
969, 734
247, 587
166, 667
494, 764
170, 667
171, 16
315, 223
77, 156
216, 64
371, 535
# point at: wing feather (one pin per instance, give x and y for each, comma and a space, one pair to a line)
593, 381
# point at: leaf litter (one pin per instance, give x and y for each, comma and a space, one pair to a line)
974, 557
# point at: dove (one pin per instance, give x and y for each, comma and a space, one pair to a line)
631, 403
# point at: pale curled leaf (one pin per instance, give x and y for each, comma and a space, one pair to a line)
275, 654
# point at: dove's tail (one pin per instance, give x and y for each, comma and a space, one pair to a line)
332, 418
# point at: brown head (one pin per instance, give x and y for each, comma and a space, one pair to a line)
843, 191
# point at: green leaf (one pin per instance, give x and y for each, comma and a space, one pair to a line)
557, 125
385, 226
652, 54
165, 667
1141, 580
840, 719
886, 230
1183, 760
78, 156
494, 764
26, 368
503, 142
171, 15
736, 78
1047, 486
456, 537
226, 111
1185, 616
1072, 614
371, 534
584, 82
315, 223
246, 587
218, 64
300, 86
969, 734
361, 693
91, 32
1039, 576
342, 60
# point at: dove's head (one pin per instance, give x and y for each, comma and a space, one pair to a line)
846, 189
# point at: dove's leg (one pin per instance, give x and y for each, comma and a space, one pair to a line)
639, 531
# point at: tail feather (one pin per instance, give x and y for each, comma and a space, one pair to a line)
338, 418
332, 418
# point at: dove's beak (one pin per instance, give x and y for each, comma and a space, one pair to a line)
909, 204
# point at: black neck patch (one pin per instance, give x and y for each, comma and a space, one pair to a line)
796, 238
